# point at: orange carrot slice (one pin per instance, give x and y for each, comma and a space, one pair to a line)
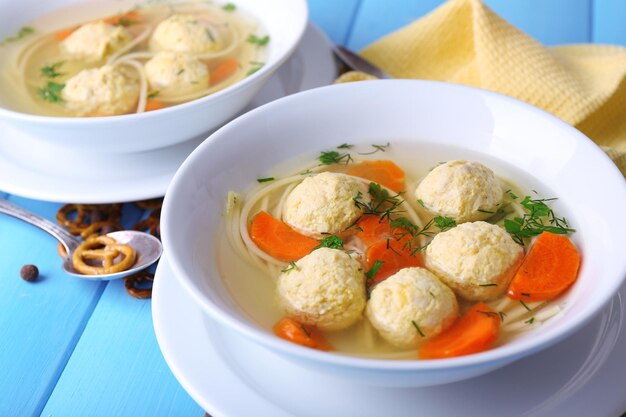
550, 267
475, 331
301, 334
63, 34
393, 256
278, 240
154, 105
224, 70
381, 172
370, 229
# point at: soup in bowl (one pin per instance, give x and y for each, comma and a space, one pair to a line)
364, 229
122, 76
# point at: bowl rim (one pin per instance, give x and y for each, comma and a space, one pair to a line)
267, 69
503, 354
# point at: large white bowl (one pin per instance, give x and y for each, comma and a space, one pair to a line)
452, 119
284, 21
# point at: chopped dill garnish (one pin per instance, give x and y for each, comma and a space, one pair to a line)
377, 148
253, 70
291, 267
268, 179
332, 242
511, 194
418, 328
382, 203
489, 313
253, 39
334, 157
375, 268
125, 21
502, 315
539, 218
180, 71
525, 306
345, 146
51, 71
488, 285
154, 93
431, 294
229, 7
420, 202
22, 33
305, 330
525, 294
444, 223
51, 92
486, 211
209, 34
530, 320
308, 171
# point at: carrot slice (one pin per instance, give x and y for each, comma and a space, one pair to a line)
278, 240
63, 34
301, 334
393, 256
371, 229
550, 268
124, 18
475, 331
224, 70
381, 172
154, 105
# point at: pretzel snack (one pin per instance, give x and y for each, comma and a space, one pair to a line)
107, 250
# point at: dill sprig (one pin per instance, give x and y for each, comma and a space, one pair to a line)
539, 218
51, 71
51, 92
253, 39
334, 157
291, 267
374, 270
377, 148
22, 33
332, 242
418, 328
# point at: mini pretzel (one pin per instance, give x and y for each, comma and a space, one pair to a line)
140, 277
105, 249
98, 228
152, 204
70, 208
87, 214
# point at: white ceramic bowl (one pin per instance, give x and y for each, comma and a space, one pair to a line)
284, 21
454, 120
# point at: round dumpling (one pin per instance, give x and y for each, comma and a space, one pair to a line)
94, 41
104, 91
325, 203
183, 33
477, 260
326, 289
410, 307
464, 191
174, 72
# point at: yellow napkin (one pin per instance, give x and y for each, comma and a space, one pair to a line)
463, 41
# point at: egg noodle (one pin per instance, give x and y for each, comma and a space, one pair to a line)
270, 196
228, 31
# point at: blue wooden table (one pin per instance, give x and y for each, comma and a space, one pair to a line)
75, 348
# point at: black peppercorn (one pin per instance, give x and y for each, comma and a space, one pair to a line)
29, 273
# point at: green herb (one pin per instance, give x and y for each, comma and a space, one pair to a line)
256, 63
444, 223
417, 328
305, 330
51, 71
334, 157
488, 285
539, 218
511, 194
404, 223
229, 7
210, 35
525, 306
530, 320
253, 70
377, 148
332, 242
486, 211
125, 21
291, 267
51, 92
153, 94
253, 39
22, 33
265, 179
308, 171
420, 202
489, 313
382, 203
502, 315
431, 294
525, 294
180, 71
375, 268
345, 146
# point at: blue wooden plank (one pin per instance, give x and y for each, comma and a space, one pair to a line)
549, 21
117, 368
609, 22
40, 322
333, 17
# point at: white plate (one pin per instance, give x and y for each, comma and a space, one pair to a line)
147, 174
230, 376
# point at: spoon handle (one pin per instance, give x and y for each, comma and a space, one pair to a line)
67, 240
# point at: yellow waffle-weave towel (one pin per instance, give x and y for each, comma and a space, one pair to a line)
463, 41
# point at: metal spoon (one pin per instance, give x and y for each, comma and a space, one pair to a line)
358, 63
148, 247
